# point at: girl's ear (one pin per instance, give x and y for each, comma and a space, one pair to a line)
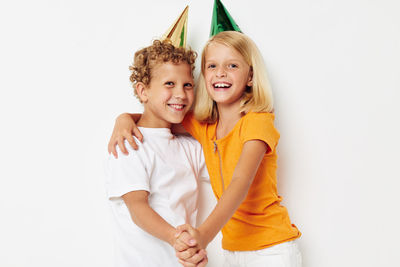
141, 92
250, 79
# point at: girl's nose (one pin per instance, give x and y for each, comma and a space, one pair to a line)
221, 72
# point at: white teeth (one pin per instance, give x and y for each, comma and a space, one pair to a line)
221, 85
176, 106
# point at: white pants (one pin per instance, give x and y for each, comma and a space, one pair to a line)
282, 255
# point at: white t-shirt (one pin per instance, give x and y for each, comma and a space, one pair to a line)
167, 166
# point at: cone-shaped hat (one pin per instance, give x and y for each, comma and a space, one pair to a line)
177, 32
222, 20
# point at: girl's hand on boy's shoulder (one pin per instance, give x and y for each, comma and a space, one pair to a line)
124, 128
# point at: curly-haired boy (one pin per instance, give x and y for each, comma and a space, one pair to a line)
154, 189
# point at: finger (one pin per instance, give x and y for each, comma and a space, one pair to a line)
186, 227
186, 234
183, 227
198, 257
203, 262
138, 134
132, 142
186, 254
111, 148
179, 231
186, 238
187, 264
121, 145
179, 246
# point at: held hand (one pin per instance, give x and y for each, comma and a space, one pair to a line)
123, 129
184, 241
188, 250
193, 257
194, 236
203, 260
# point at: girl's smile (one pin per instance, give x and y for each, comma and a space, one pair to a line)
226, 73
221, 85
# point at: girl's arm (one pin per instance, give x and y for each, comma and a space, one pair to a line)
245, 171
125, 126
178, 129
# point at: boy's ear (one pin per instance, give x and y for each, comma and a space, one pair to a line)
250, 79
141, 91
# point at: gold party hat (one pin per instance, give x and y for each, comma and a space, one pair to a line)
177, 32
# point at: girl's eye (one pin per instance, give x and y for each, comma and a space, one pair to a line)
211, 66
188, 86
169, 83
233, 66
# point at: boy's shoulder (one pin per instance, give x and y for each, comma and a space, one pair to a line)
132, 153
188, 140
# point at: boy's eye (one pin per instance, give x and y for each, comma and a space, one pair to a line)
211, 66
169, 83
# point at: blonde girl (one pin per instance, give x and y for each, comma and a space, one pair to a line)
234, 123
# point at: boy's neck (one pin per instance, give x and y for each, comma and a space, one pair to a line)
148, 122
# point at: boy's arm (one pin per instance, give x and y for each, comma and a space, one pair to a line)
146, 218
245, 171
151, 222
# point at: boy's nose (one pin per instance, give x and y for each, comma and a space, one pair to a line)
180, 92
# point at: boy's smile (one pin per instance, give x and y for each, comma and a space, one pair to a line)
168, 96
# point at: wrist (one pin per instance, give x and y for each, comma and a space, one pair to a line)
206, 238
171, 236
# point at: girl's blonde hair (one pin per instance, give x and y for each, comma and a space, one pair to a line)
257, 98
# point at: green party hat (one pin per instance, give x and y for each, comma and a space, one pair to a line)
177, 32
222, 20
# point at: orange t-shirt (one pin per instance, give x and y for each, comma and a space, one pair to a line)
260, 221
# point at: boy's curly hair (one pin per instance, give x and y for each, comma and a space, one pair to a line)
159, 52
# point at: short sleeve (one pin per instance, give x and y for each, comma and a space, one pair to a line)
260, 126
203, 172
126, 173
192, 125
198, 160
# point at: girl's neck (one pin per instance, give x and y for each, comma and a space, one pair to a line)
228, 116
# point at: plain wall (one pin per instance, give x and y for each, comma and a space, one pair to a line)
334, 67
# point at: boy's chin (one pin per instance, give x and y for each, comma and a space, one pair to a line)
175, 119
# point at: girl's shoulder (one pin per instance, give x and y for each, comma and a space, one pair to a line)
258, 117
260, 126
258, 122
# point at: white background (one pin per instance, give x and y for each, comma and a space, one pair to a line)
335, 71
